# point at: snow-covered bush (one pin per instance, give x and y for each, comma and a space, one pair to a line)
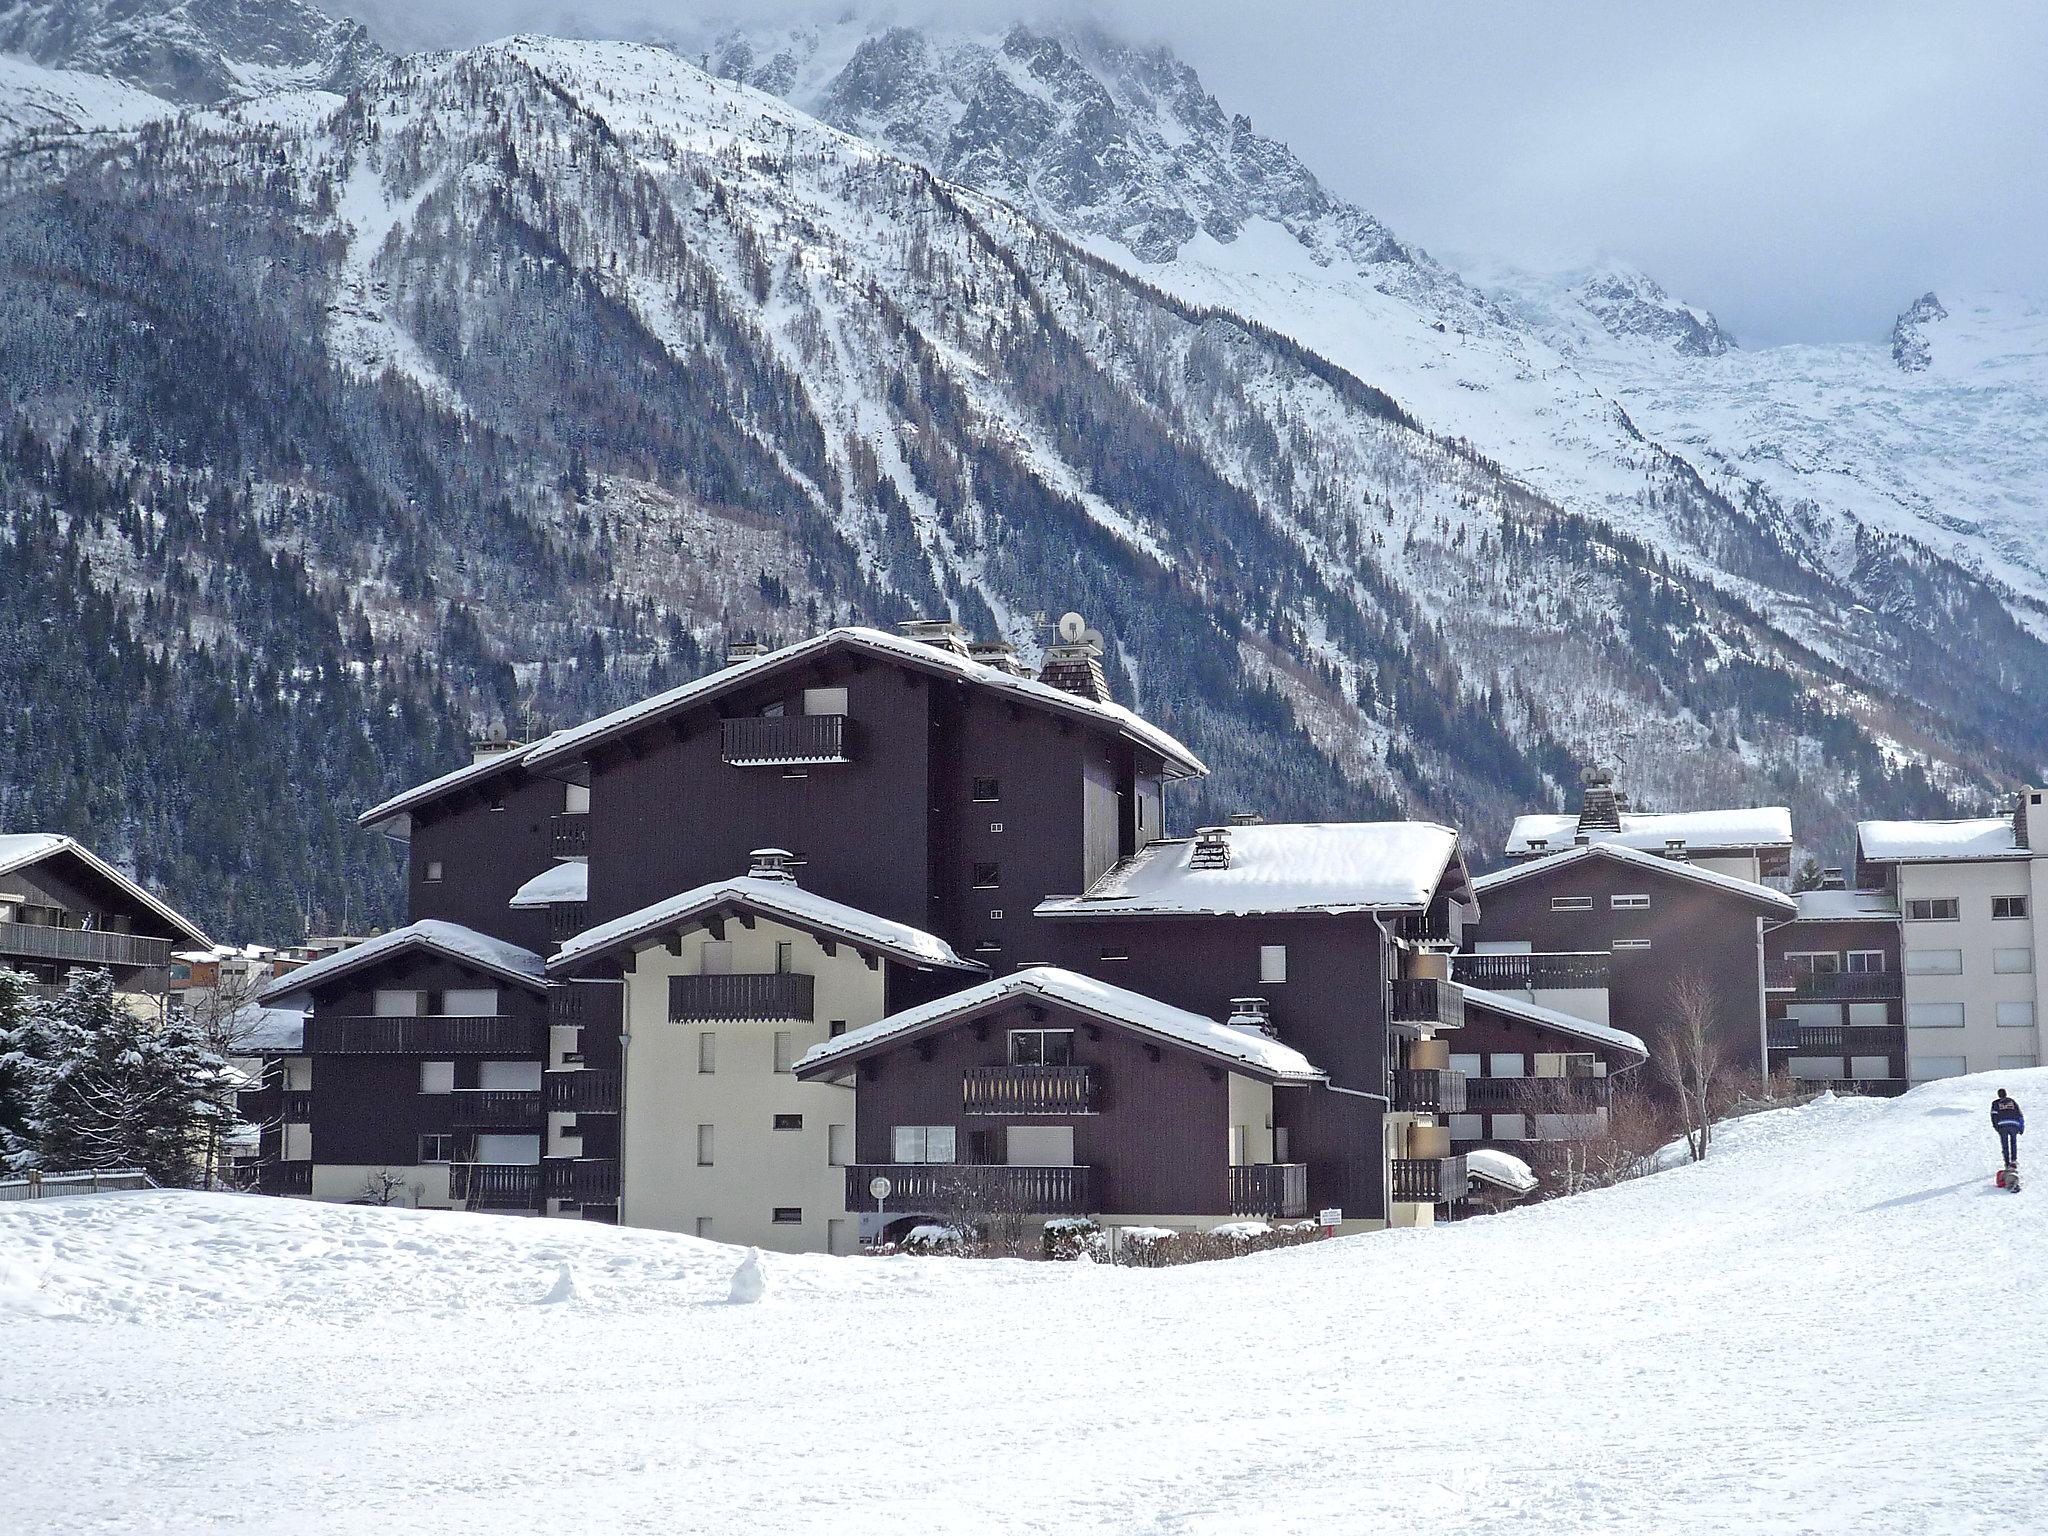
937, 1238
1074, 1237
1158, 1247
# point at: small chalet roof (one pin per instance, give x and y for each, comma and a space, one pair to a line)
783, 900
1846, 906
1562, 1023
1251, 1052
1908, 842
451, 940
1763, 826
568, 881
468, 774
259, 1031
1502, 1169
1776, 902
567, 745
1357, 866
18, 850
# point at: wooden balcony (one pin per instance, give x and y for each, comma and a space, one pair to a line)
1532, 973
1269, 1189
972, 1189
783, 740
1428, 1180
1429, 1091
495, 1186
1839, 986
451, 1035
298, 1105
1836, 1039
1534, 1095
1425, 1000
1028, 1091
569, 835
586, 1180
285, 1178
486, 1107
81, 946
582, 1091
1423, 928
705, 999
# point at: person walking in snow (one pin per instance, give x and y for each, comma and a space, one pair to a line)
2007, 1120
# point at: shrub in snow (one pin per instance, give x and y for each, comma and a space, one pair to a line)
1074, 1237
934, 1238
1158, 1247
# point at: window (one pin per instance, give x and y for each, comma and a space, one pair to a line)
522, 1151
2008, 906
996, 913
836, 1028
1870, 1015
988, 791
824, 701
469, 1003
1815, 1068
1510, 1127
1468, 1127
2015, 1015
2016, 1063
1927, 1068
1934, 1015
1240, 1145
1815, 1015
1467, 1064
789, 1216
433, 870
1934, 962
509, 1076
1116, 952
789, 1122
987, 876
437, 1149
707, 1051
575, 799
717, 958
838, 1145
1933, 909
987, 947
1504, 1064
2012, 962
1272, 962
437, 1077
1870, 1069
1866, 962
922, 1143
785, 1050
1571, 903
1621, 944
1041, 1047
785, 956
704, 1146
1813, 962
704, 1227
1634, 902
388, 1003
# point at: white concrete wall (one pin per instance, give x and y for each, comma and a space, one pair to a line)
1251, 1106
1980, 1044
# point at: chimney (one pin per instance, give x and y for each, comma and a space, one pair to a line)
999, 654
737, 651
943, 634
1831, 879
2028, 795
771, 864
1249, 1013
494, 744
1076, 667
1539, 845
1212, 848
1247, 819
1674, 848
1601, 809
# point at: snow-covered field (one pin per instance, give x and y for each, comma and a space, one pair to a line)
1835, 1325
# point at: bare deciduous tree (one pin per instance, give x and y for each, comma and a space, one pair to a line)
1692, 1061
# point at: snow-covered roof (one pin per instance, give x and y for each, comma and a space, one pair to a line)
1356, 866
456, 778
20, 849
453, 940
1245, 1050
1845, 906
1681, 869
1563, 1023
1762, 826
568, 881
783, 900
566, 745
1501, 1168
1978, 837
259, 1031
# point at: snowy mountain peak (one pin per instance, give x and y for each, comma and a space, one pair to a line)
1632, 306
1910, 346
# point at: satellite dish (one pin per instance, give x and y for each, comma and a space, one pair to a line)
1092, 637
1072, 628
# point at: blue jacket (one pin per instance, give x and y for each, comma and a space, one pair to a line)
2006, 1116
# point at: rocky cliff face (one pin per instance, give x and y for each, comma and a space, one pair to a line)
1910, 349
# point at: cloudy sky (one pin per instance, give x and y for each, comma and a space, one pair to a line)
1803, 169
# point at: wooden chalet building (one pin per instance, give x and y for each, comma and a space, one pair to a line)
63, 908
1836, 992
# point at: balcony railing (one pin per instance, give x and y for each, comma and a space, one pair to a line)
471, 1107
565, 1006
298, 1105
1423, 927
1534, 1095
1429, 1091
1269, 1189
569, 835
285, 1178
582, 1091
756, 741
1839, 986
1428, 1180
1425, 1000
83, 946
1531, 973
586, 1180
428, 1035
695, 999
972, 1189
1028, 1091
1836, 1039
495, 1186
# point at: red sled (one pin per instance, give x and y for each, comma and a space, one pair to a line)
2009, 1178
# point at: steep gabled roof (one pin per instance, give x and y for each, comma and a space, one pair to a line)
18, 850
1775, 903
468, 776
1242, 1050
1357, 866
1761, 826
1561, 1023
1914, 842
451, 940
566, 746
782, 900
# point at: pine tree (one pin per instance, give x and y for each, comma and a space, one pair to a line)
16, 1000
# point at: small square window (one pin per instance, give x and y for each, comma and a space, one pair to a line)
1115, 952
836, 1028
1272, 962
1571, 903
987, 876
1934, 909
433, 870
988, 947
996, 913
437, 1149
789, 1122
1625, 944
1632, 902
789, 1215
704, 1227
988, 790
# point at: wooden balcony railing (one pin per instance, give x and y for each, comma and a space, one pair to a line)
1839, 986
471, 1107
569, 835
1428, 1180
582, 1091
1429, 1090
1534, 1095
495, 1186
693, 999
565, 1005
1424, 927
298, 1105
1836, 1039
493, 1034
587, 1180
1269, 1189
972, 1189
1425, 1000
1531, 973
756, 741
1028, 1091
82, 946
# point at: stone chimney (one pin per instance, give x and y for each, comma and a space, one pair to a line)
1075, 666
1249, 1013
999, 654
1831, 879
493, 744
737, 651
771, 864
1600, 810
1212, 848
944, 634
1674, 848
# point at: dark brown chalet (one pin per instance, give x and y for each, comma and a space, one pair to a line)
1836, 991
62, 907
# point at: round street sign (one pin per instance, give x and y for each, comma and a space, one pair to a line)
879, 1187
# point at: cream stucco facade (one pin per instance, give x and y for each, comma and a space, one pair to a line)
1972, 982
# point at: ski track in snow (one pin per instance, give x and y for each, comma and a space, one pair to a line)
1833, 1326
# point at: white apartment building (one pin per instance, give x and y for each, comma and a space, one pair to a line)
1970, 897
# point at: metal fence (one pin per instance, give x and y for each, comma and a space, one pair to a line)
81, 1181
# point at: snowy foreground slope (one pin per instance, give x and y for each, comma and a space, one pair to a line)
1836, 1325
